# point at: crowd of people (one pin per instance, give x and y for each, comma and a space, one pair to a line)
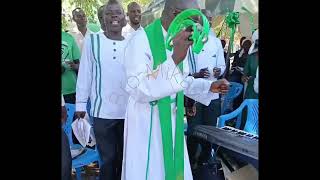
138, 93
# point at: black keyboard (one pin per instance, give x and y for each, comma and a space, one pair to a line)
230, 138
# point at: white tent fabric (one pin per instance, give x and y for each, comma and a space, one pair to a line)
217, 8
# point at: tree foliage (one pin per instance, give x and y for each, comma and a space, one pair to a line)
90, 7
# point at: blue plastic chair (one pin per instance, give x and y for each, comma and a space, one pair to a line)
252, 124
234, 91
89, 156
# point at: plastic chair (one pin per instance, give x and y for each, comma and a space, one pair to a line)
252, 124
234, 91
89, 156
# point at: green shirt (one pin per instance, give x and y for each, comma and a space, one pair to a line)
70, 52
250, 69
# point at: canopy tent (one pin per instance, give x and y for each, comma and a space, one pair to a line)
222, 7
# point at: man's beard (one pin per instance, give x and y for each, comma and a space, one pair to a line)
134, 22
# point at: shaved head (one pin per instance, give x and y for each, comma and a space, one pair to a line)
132, 4
173, 7
182, 4
208, 14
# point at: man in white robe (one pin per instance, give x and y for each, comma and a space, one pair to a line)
143, 159
134, 14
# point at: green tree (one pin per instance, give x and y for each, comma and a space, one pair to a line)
90, 7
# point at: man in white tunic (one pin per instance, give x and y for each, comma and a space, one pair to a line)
102, 78
154, 145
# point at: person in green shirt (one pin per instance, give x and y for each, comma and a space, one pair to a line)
70, 64
250, 70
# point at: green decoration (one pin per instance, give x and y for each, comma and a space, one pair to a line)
182, 21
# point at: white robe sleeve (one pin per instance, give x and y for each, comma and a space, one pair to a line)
84, 79
198, 90
144, 84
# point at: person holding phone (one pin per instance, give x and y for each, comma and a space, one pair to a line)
209, 64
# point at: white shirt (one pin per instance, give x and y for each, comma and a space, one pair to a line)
102, 80
211, 56
127, 31
255, 36
211, 32
62, 100
77, 35
256, 82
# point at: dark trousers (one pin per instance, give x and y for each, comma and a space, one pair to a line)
109, 139
66, 161
70, 98
236, 77
205, 115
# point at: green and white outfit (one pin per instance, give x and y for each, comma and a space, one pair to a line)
69, 52
102, 78
155, 108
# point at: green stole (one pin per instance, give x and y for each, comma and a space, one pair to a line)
173, 156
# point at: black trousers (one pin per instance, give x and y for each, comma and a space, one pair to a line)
205, 115
70, 98
109, 139
66, 161
236, 77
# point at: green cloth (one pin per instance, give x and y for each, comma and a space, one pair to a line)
250, 69
173, 156
93, 27
69, 52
